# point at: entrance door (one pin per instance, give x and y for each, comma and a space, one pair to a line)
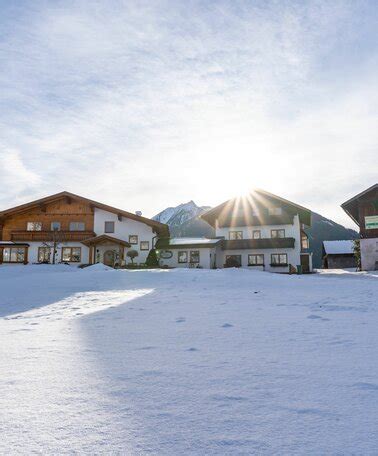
109, 258
305, 263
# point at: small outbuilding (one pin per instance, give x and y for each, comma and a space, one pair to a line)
338, 255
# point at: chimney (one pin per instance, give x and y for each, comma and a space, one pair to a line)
138, 213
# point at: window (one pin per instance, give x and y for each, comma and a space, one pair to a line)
14, 255
194, 256
34, 226
233, 235
275, 211
71, 254
77, 226
256, 234
144, 245
255, 212
304, 241
277, 234
109, 227
182, 257
256, 260
279, 259
44, 254
55, 226
133, 239
233, 261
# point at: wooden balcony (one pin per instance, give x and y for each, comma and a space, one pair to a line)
48, 236
269, 243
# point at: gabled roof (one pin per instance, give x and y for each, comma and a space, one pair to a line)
257, 197
103, 239
338, 247
351, 206
159, 228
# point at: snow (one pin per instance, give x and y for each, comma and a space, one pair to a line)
178, 215
338, 247
192, 362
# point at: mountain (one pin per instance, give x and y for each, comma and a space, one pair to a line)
184, 221
181, 216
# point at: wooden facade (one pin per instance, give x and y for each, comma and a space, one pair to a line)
14, 227
363, 205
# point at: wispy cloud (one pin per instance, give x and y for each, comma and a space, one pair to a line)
146, 104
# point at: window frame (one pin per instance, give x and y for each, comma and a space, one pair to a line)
256, 255
235, 256
71, 223
144, 242
58, 223
34, 223
196, 252
256, 231
112, 223
70, 260
10, 248
137, 239
272, 263
305, 242
231, 232
40, 249
276, 230
186, 256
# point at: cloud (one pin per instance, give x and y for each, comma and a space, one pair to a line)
145, 104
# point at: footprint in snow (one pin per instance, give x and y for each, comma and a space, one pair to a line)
227, 325
192, 349
180, 320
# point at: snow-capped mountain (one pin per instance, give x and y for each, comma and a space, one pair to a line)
183, 221
177, 216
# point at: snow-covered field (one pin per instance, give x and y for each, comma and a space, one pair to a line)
187, 362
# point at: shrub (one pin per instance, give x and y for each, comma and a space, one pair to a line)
132, 254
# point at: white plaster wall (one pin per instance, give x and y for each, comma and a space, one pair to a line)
369, 253
173, 262
33, 251
122, 230
293, 257
290, 230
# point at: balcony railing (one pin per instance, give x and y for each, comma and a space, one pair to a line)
48, 236
275, 243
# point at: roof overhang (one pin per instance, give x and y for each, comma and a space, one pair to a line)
256, 197
351, 206
160, 228
105, 239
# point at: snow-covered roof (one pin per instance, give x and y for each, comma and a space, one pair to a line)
186, 242
338, 247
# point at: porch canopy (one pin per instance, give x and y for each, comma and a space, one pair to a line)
103, 239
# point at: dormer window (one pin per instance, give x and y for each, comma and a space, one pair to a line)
275, 211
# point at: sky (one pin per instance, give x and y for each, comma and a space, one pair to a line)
148, 104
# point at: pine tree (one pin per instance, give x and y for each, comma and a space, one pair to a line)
152, 259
